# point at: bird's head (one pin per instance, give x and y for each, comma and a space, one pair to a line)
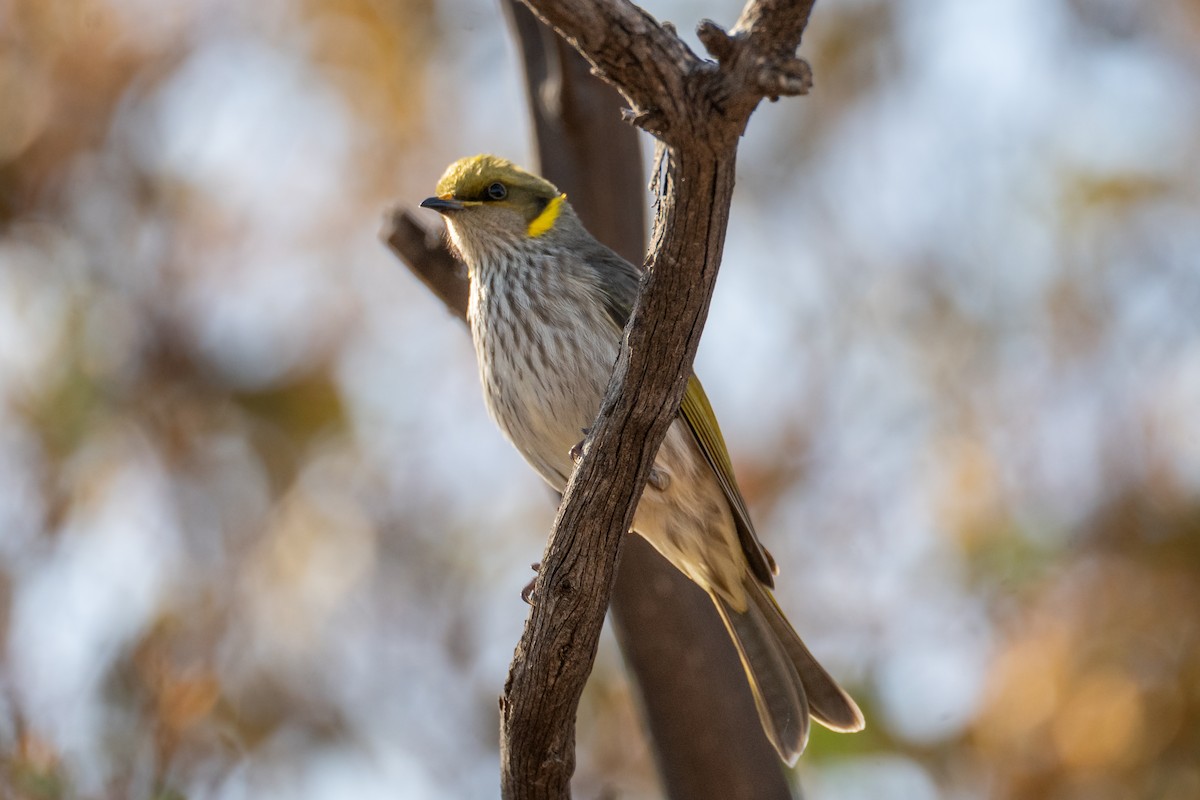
489, 202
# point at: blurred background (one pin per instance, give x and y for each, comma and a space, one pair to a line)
258, 538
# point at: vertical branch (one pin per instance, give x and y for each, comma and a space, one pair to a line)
703, 726
555, 654
699, 111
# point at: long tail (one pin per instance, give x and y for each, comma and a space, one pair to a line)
787, 682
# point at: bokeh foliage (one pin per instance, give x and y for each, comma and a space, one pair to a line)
258, 539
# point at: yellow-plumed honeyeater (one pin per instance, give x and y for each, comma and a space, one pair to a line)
547, 310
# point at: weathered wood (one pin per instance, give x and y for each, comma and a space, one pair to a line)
699, 111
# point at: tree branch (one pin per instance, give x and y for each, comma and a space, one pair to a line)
705, 730
700, 111
701, 717
427, 256
672, 92
625, 46
774, 27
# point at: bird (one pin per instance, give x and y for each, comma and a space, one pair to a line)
547, 307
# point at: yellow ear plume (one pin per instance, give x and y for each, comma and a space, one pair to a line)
545, 220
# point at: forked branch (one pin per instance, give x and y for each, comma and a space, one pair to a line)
699, 109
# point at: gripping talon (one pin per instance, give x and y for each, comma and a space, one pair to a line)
579, 448
527, 592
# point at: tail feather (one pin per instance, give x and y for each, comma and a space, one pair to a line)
828, 702
787, 682
774, 683
778, 692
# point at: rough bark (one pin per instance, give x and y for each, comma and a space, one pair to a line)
698, 109
704, 730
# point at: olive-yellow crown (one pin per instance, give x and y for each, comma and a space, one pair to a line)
490, 182
470, 179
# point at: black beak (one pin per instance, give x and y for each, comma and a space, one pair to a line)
442, 206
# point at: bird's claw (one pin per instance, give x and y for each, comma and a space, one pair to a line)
527, 592
579, 448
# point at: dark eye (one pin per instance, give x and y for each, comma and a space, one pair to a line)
497, 191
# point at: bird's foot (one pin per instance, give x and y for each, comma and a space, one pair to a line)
579, 448
527, 592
